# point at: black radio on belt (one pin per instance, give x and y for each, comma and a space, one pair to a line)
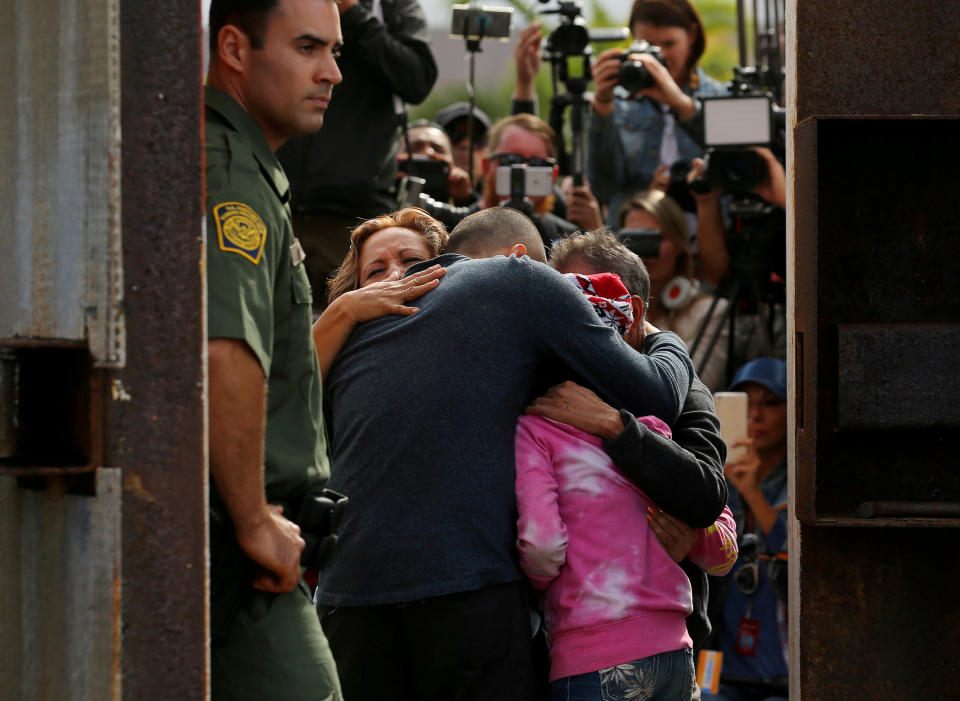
319, 519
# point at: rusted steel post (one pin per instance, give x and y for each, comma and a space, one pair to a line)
155, 422
874, 302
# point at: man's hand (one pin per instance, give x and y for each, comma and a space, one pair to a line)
237, 395
774, 188
583, 209
697, 171
605, 75
676, 537
275, 544
526, 54
459, 184
661, 179
577, 406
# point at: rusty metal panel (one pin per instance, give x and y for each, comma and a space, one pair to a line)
60, 275
155, 410
878, 615
61, 589
877, 57
921, 392
877, 238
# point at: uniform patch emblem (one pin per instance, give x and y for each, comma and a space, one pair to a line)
240, 230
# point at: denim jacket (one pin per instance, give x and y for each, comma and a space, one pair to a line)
623, 148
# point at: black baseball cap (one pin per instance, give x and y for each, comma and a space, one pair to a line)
449, 115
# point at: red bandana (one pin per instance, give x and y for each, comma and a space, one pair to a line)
608, 296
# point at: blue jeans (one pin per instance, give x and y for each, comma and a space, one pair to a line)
669, 676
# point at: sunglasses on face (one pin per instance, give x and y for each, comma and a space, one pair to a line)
509, 159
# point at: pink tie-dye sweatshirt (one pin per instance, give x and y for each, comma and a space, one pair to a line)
611, 594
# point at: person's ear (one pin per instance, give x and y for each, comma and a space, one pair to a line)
485, 166
637, 304
518, 250
635, 335
233, 47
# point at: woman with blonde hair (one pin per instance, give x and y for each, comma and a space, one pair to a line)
369, 283
677, 302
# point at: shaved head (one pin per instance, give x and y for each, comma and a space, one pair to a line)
494, 231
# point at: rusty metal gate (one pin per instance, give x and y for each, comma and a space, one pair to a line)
102, 434
876, 303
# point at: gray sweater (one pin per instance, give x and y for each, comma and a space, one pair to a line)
424, 412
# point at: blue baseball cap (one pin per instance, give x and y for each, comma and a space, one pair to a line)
769, 372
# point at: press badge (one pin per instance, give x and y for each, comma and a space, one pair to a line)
747, 633
297, 255
709, 664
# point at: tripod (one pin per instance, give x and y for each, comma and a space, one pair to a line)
748, 287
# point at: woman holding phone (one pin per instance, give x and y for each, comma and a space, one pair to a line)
753, 631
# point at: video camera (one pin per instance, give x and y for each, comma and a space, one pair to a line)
568, 51
748, 117
434, 173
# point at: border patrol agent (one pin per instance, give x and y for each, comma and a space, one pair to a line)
272, 71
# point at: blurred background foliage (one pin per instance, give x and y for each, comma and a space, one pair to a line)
719, 19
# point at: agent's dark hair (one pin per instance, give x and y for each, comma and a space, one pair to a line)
490, 231
604, 253
671, 13
249, 15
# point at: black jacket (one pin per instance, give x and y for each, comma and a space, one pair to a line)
349, 167
662, 468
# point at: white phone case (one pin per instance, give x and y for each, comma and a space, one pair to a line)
732, 412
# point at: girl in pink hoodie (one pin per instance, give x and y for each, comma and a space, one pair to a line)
614, 601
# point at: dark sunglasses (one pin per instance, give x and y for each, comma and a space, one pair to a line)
510, 159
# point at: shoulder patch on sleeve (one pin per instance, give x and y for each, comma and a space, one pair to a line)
240, 230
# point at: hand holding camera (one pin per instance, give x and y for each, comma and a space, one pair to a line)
641, 71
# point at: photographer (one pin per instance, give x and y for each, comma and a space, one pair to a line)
430, 151
714, 256
634, 138
524, 139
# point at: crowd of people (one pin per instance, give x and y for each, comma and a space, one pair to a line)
497, 394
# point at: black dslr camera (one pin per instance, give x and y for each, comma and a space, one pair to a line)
633, 76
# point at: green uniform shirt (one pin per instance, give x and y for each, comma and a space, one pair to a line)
258, 291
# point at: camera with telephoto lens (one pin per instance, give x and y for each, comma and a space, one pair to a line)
633, 76
319, 520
